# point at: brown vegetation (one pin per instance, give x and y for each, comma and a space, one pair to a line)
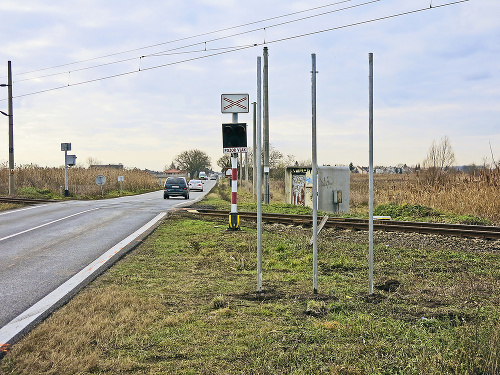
460, 193
81, 181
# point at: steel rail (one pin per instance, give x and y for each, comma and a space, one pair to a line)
459, 230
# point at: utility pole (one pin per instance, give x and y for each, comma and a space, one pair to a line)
10, 115
370, 199
266, 124
314, 176
259, 179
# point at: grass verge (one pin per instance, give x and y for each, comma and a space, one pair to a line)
185, 303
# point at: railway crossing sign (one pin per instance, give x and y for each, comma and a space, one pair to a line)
235, 103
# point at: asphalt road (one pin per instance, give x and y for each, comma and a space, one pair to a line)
43, 246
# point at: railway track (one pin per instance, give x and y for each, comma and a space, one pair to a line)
459, 230
17, 200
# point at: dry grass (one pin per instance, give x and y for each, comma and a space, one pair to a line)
81, 181
463, 194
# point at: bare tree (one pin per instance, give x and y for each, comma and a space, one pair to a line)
440, 158
93, 161
440, 155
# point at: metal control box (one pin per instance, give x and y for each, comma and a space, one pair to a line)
333, 187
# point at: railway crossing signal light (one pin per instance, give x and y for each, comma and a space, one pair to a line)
234, 136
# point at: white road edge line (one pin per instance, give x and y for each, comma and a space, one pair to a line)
22, 209
18, 324
43, 225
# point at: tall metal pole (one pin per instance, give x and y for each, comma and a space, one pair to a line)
370, 200
266, 125
66, 190
12, 187
254, 179
314, 177
259, 179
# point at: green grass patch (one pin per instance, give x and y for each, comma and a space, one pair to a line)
416, 212
35, 193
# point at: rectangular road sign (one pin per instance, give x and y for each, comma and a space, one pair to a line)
233, 150
235, 103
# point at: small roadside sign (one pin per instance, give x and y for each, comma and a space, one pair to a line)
100, 180
235, 103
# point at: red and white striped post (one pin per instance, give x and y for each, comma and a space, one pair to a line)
234, 141
234, 219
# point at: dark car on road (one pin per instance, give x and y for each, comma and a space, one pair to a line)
176, 186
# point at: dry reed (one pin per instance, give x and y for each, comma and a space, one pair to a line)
475, 194
81, 181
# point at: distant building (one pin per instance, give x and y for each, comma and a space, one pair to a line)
175, 172
108, 166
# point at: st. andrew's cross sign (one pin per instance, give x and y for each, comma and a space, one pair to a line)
235, 103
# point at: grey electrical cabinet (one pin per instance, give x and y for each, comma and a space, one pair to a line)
333, 187
334, 184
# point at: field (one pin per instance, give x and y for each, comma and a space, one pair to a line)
39, 182
458, 193
476, 195
185, 302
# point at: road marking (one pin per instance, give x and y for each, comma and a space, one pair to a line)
44, 225
22, 209
16, 326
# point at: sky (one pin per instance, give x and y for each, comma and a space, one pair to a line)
138, 83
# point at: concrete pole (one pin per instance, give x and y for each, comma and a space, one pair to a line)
314, 177
12, 187
266, 125
370, 200
259, 179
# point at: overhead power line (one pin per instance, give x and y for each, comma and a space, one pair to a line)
190, 37
168, 52
235, 49
431, 7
